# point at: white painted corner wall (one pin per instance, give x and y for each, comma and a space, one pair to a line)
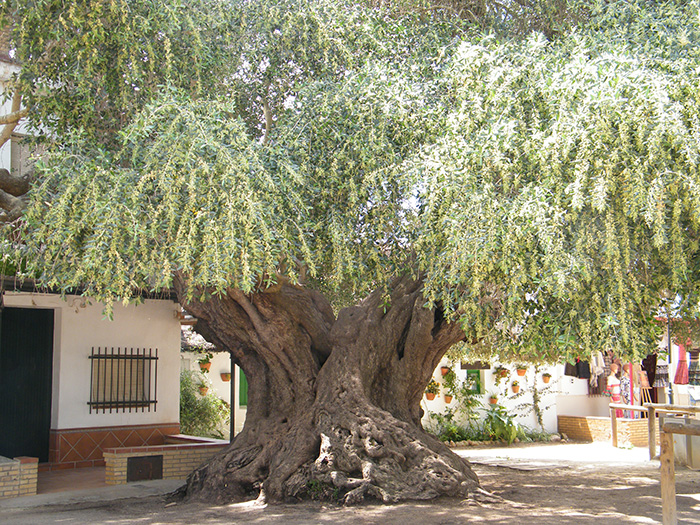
80, 325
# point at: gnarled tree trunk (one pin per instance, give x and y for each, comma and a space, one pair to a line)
334, 404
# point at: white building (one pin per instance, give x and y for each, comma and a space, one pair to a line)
73, 383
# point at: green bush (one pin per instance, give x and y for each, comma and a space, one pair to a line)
499, 424
204, 416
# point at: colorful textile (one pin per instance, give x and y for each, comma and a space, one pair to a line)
694, 369
625, 389
661, 376
682, 367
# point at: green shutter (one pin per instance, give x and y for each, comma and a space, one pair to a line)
242, 390
474, 381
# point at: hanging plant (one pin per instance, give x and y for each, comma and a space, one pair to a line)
205, 361
500, 373
432, 389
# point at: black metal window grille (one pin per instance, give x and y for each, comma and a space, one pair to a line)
123, 379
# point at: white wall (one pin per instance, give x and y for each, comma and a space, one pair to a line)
563, 395
515, 404
79, 326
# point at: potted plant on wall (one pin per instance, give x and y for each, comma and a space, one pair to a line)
203, 387
449, 382
500, 373
205, 362
432, 390
546, 377
444, 370
226, 376
521, 369
515, 386
493, 398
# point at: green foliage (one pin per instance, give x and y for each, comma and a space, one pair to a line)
205, 358
321, 491
535, 406
499, 424
446, 428
547, 191
450, 382
201, 415
500, 374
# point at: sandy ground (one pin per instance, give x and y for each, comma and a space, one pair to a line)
551, 484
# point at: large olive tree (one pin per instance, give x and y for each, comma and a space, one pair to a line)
341, 193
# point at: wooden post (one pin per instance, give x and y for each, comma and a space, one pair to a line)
613, 426
652, 431
688, 445
668, 481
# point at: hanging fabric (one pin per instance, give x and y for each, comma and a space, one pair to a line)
597, 369
569, 369
649, 366
661, 375
682, 368
583, 369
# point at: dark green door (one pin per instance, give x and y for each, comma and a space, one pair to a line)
26, 355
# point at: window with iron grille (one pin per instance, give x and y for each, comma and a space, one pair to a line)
123, 379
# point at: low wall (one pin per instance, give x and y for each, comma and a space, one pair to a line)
174, 461
18, 477
83, 447
629, 431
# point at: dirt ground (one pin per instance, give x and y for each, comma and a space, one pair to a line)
524, 490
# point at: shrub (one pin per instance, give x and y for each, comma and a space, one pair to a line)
204, 416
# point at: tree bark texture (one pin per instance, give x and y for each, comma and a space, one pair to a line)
333, 403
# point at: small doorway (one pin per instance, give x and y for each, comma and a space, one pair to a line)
26, 359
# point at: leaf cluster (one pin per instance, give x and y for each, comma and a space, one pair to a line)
546, 190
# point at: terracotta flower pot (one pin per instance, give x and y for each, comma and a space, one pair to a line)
203, 390
444, 370
205, 366
226, 376
546, 378
516, 389
430, 396
493, 400
521, 371
448, 399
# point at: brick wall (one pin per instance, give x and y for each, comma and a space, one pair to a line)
634, 432
629, 431
83, 447
584, 428
18, 477
178, 460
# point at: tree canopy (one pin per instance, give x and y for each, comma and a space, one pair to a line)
544, 187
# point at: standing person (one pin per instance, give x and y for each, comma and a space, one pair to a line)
614, 387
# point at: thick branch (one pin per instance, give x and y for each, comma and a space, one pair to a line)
10, 126
268, 120
14, 117
13, 184
13, 206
